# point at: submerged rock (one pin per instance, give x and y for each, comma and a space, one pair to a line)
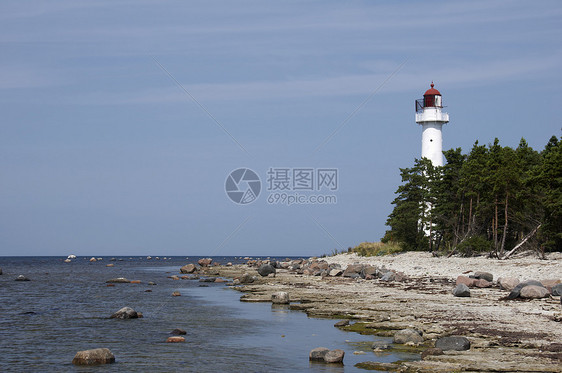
341, 323
125, 313
453, 343
178, 331
408, 335
22, 278
94, 357
119, 280
461, 291
280, 297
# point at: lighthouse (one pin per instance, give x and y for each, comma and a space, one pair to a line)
430, 116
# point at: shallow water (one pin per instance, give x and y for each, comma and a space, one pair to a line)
65, 308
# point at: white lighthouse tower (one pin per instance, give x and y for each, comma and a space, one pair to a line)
429, 114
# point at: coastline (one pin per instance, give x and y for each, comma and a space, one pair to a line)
505, 336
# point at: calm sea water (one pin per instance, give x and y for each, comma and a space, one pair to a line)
65, 309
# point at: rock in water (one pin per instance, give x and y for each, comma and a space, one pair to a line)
188, 268
175, 339
119, 280
22, 278
408, 335
266, 269
461, 291
280, 297
334, 356
176, 294
453, 343
246, 278
125, 313
318, 354
178, 331
534, 292
205, 262
94, 357
484, 275
341, 323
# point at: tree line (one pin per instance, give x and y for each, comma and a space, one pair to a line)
495, 199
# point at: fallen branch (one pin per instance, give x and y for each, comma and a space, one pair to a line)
522, 242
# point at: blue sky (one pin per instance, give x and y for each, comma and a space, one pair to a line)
102, 153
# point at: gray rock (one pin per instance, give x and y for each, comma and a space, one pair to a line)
353, 270
246, 278
94, 357
334, 356
484, 275
341, 323
408, 335
453, 343
188, 268
335, 272
280, 297
266, 269
556, 290
22, 278
119, 280
125, 313
369, 271
178, 332
388, 276
517, 290
318, 353
461, 291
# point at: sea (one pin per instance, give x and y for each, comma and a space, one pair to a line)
65, 308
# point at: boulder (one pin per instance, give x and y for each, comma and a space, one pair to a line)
408, 335
175, 339
318, 353
484, 276
178, 332
94, 357
246, 278
125, 313
335, 272
556, 290
517, 290
534, 292
266, 269
92, 259
21, 278
466, 281
549, 283
334, 356
508, 283
453, 343
205, 262
388, 276
188, 268
176, 294
280, 297
119, 280
482, 283
461, 291
353, 271
369, 271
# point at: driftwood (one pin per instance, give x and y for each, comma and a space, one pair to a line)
522, 242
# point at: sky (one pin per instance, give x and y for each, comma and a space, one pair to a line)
121, 120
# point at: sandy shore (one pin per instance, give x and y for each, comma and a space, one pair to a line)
505, 336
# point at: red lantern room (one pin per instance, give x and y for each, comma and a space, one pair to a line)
431, 98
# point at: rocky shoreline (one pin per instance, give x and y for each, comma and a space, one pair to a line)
382, 296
